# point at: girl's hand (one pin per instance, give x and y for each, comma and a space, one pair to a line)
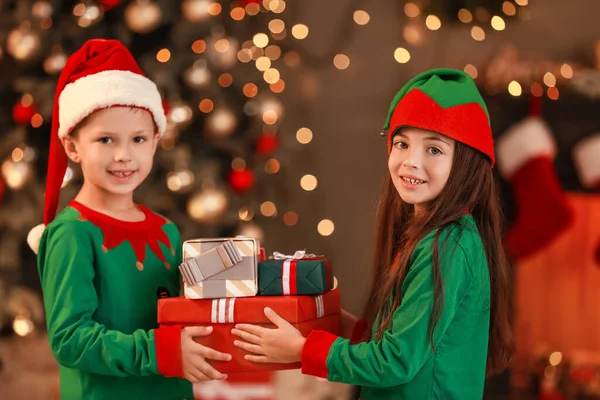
194, 355
280, 345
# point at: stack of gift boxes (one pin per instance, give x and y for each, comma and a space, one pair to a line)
229, 280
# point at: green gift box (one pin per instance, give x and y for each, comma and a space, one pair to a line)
294, 276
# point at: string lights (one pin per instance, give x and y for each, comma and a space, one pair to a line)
274, 44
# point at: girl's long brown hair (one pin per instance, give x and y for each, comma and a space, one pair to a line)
470, 187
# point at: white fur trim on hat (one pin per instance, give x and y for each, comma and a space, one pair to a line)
523, 141
104, 89
35, 236
586, 155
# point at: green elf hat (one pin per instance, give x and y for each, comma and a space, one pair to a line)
445, 101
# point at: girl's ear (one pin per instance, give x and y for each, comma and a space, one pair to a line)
71, 148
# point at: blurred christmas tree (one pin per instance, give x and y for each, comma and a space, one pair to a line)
217, 64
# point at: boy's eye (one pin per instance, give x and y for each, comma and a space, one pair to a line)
105, 140
139, 139
435, 151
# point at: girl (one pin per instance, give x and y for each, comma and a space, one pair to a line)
104, 261
438, 307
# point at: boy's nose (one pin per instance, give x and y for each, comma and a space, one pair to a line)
122, 154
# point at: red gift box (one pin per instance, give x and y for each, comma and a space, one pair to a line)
304, 312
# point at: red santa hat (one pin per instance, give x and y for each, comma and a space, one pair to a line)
101, 74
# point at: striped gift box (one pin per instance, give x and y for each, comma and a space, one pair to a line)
240, 280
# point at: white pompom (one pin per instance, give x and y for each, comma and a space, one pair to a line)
586, 156
522, 142
34, 237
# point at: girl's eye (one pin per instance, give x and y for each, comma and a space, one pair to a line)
401, 145
435, 151
105, 140
139, 139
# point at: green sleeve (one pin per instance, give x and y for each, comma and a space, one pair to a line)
404, 348
65, 262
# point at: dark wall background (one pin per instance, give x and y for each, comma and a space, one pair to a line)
346, 109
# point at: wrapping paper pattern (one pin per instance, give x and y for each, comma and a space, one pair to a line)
239, 280
308, 276
179, 310
211, 262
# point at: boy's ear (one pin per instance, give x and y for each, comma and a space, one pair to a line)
71, 148
155, 142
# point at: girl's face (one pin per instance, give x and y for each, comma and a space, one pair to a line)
420, 164
115, 147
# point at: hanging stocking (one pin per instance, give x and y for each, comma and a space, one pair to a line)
586, 155
525, 158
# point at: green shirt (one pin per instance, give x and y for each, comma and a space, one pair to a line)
100, 278
403, 365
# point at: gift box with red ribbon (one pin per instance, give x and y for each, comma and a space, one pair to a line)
298, 274
306, 313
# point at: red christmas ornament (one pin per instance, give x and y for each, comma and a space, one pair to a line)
109, 4
22, 114
266, 144
241, 180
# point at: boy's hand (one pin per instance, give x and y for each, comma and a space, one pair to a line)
194, 355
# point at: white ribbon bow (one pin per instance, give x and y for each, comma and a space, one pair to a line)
297, 255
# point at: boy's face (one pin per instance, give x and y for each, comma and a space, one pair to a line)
115, 147
420, 163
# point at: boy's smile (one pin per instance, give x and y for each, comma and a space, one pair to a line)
122, 176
